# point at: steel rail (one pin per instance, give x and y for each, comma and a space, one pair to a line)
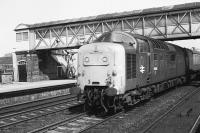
92, 125
25, 105
98, 123
119, 113
154, 123
195, 125
29, 110
54, 125
34, 117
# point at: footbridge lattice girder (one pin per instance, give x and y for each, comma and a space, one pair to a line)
174, 25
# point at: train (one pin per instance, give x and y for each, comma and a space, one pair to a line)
120, 69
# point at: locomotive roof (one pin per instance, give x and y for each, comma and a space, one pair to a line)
102, 17
171, 46
165, 45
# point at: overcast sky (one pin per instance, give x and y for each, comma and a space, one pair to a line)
14, 12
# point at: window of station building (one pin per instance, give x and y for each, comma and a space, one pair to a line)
25, 36
22, 36
18, 36
131, 66
143, 45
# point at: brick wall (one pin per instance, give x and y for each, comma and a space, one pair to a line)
47, 65
39, 66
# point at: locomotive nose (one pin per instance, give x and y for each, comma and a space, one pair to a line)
96, 76
96, 64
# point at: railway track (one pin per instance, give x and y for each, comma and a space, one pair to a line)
139, 117
78, 123
32, 104
156, 122
83, 122
72, 121
196, 125
49, 106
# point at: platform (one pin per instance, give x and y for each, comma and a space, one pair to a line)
22, 92
23, 86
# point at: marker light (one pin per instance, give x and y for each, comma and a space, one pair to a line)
86, 59
104, 59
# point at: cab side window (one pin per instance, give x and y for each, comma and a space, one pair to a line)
128, 40
123, 38
143, 45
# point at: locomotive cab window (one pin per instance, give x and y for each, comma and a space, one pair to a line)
117, 37
128, 40
123, 38
143, 45
106, 37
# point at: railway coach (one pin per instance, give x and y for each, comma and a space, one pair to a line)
120, 69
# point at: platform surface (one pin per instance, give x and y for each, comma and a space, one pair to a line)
19, 86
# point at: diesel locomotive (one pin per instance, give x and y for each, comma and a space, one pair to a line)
120, 69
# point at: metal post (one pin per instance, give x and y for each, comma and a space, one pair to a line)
15, 66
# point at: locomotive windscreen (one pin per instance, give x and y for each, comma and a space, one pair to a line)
117, 37
106, 37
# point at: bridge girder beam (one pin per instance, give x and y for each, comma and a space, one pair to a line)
176, 25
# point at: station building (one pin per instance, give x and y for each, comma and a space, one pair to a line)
40, 55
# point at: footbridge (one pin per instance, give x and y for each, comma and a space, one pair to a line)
166, 23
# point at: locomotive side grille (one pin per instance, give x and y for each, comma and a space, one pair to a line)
131, 66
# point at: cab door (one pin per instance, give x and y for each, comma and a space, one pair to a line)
144, 63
